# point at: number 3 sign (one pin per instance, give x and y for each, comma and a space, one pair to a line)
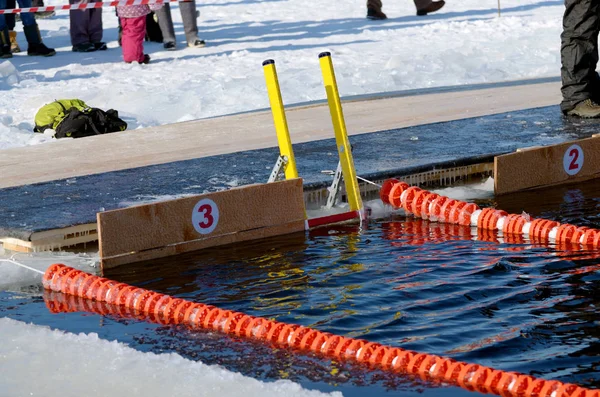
573, 159
205, 216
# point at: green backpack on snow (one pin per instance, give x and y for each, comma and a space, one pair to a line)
73, 118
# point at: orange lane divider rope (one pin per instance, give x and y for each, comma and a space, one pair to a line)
428, 205
164, 309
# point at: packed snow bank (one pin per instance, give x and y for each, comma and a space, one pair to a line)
37, 361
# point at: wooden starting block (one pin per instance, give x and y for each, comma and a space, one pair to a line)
569, 162
172, 227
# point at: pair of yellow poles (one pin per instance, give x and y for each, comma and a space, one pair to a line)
337, 118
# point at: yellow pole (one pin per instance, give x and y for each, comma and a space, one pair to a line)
341, 136
281, 127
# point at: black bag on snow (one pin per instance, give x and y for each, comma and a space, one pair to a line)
79, 124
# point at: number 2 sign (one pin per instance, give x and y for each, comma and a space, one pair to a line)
205, 216
573, 159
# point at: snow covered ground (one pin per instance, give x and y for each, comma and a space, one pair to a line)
465, 43
27, 350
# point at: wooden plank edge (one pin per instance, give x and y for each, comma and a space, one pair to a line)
54, 239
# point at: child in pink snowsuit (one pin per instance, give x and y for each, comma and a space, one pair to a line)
133, 22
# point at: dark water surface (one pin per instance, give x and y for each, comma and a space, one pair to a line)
404, 282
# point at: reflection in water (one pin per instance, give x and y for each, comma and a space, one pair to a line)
249, 357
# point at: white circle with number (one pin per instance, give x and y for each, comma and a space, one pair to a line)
205, 216
573, 159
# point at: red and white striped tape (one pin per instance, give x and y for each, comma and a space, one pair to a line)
86, 5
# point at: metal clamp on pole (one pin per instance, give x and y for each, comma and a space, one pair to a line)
334, 189
278, 169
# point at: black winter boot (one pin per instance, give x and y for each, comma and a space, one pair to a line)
36, 47
5, 51
374, 10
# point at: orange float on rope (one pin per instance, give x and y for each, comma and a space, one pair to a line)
428, 205
591, 237
386, 187
488, 218
436, 207
570, 234
408, 198
444, 212
464, 217
513, 224
417, 202
540, 228
395, 193
108, 297
429, 198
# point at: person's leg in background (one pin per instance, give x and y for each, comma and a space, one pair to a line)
189, 16
165, 21
32, 33
579, 58
10, 22
4, 36
79, 29
95, 28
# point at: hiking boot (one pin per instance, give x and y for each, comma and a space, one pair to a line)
5, 52
431, 7
100, 46
44, 14
375, 15
170, 45
14, 46
34, 40
5, 44
84, 47
40, 49
197, 43
587, 109
374, 10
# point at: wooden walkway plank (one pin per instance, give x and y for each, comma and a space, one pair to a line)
228, 134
